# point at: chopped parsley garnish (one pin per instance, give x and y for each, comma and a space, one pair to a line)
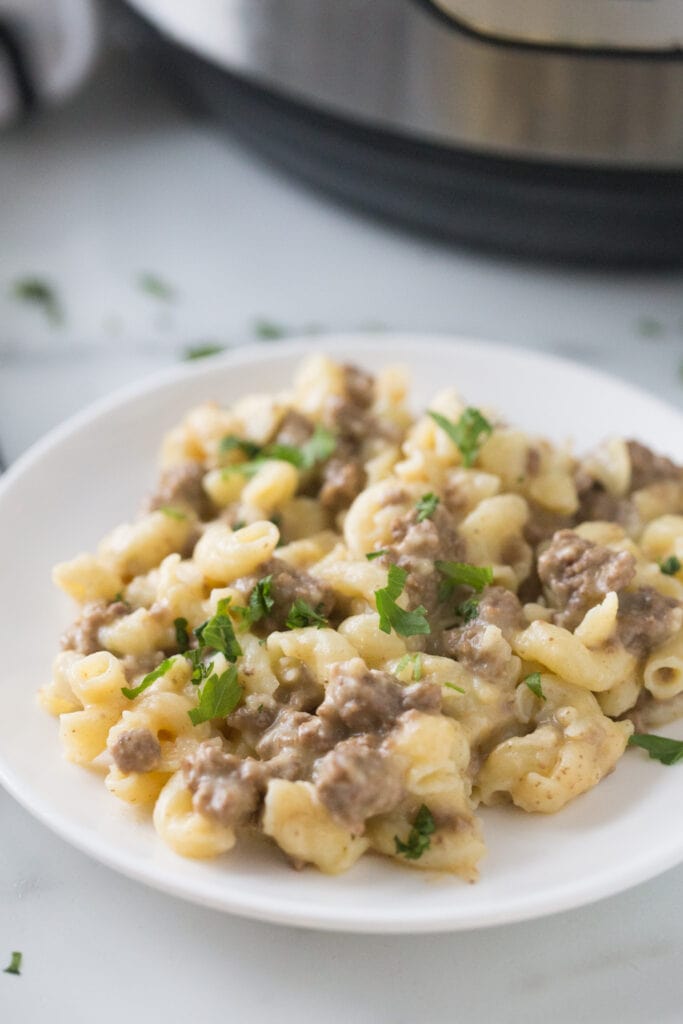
533, 681
302, 614
14, 964
468, 609
260, 602
372, 555
173, 513
231, 442
318, 448
33, 291
157, 673
268, 330
391, 615
670, 566
219, 634
155, 286
416, 660
426, 506
218, 697
452, 686
202, 351
661, 748
182, 636
463, 574
468, 434
419, 835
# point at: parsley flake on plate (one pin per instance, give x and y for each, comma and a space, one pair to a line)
316, 449
155, 286
463, 574
660, 748
260, 602
202, 351
391, 616
670, 566
15, 963
468, 609
468, 434
218, 697
303, 614
533, 681
173, 513
426, 506
372, 555
182, 635
419, 836
452, 686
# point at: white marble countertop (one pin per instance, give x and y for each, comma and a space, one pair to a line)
121, 183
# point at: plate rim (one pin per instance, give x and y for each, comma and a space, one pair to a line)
603, 884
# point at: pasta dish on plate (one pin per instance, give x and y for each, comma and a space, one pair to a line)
344, 628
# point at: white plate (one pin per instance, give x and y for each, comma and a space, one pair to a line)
91, 473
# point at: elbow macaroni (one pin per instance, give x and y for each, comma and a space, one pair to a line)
446, 713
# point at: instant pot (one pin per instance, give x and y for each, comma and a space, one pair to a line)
551, 128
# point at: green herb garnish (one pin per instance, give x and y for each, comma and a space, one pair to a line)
202, 351
302, 614
372, 555
34, 291
391, 615
452, 686
14, 964
670, 566
418, 838
533, 681
660, 748
468, 434
218, 697
182, 636
468, 609
426, 506
462, 574
260, 602
157, 673
155, 286
172, 513
416, 661
231, 443
219, 634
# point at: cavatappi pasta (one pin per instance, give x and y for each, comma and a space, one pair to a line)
346, 628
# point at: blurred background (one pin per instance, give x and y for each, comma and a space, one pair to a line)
178, 178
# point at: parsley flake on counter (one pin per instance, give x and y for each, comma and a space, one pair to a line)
533, 681
157, 673
468, 434
419, 836
463, 574
14, 964
670, 566
218, 697
268, 330
173, 513
219, 634
391, 615
34, 291
416, 660
426, 506
452, 686
182, 636
660, 748
372, 555
302, 614
202, 351
155, 286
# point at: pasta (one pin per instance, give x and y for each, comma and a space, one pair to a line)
348, 629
